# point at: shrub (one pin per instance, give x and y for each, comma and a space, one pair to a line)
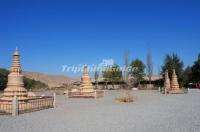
28, 83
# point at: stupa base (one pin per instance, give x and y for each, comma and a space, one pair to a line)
78, 94
176, 92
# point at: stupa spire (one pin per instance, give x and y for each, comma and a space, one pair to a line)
86, 89
16, 66
175, 88
86, 84
85, 70
15, 85
16, 51
174, 82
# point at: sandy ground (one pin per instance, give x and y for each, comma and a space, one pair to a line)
152, 112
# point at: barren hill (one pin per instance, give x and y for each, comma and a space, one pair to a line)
51, 80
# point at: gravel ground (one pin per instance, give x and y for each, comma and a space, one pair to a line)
152, 112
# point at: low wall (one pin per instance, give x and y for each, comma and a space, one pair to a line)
109, 86
32, 104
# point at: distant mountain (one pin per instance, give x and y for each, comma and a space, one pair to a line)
51, 80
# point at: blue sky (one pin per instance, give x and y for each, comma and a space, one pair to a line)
53, 33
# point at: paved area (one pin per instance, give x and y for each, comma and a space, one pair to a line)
152, 112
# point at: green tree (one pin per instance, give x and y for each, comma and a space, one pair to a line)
33, 84
172, 61
3, 78
137, 72
112, 74
195, 69
187, 75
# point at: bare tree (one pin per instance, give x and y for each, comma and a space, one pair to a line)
96, 77
126, 63
149, 66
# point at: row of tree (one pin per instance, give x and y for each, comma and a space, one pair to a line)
191, 74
